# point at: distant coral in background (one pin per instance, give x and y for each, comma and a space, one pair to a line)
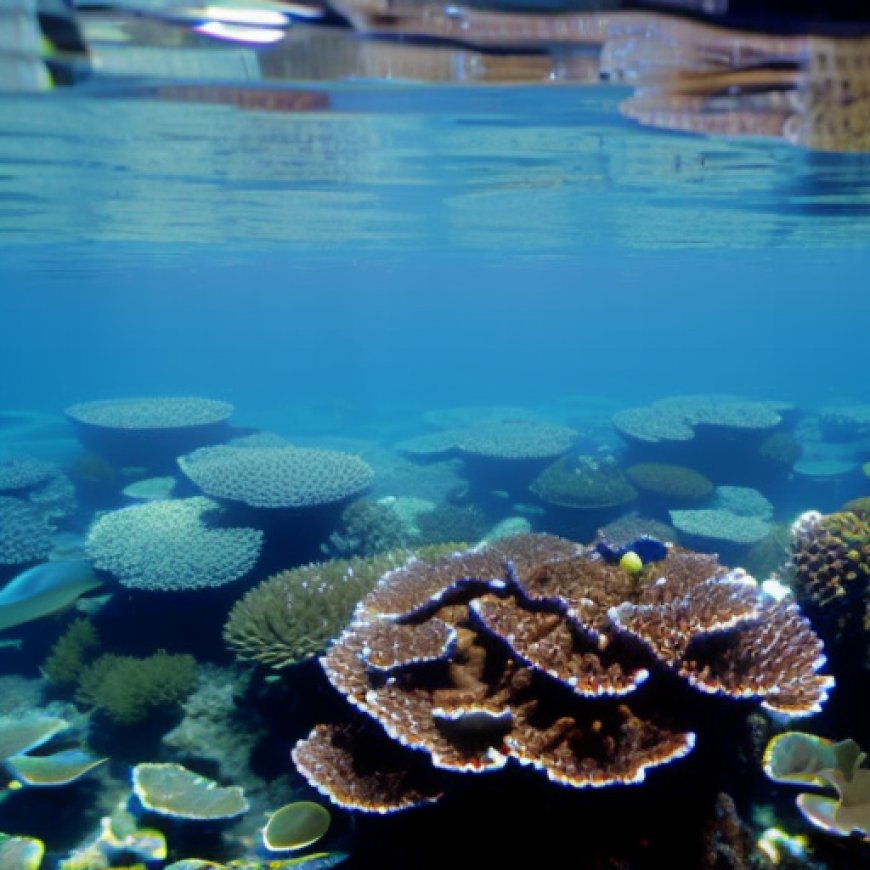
503, 653
630, 527
150, 488
368, 528
22, 473
781, 448
25, 532
432, 445
512, 439
155, 412
129, 689
743, 501
277, 476
674, 483
475, 415
676, 419
168, 546
445, 523
845, 421
714, 527
296, 614
583, 482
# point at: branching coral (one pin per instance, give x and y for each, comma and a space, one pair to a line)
527, 650
129, 689
70, 653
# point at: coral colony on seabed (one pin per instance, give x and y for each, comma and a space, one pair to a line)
504, 627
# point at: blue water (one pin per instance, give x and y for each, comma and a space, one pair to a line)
337, 274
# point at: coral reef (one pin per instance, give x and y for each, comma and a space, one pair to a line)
511, 652
130, 689
475, 415
804, 759
845, 421
831, 558
167, 546
676, 419
25, 532
715, 527
583, 482
629, 527
70, 654
744, 501
445, 523
277, 476
172, 790
151, 488
433, 445
158, 412
295, 614
23, 473
675, 483
781, 448
367, 528
513, 439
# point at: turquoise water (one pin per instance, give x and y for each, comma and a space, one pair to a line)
338, 274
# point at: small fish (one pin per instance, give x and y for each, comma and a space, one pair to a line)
11, 643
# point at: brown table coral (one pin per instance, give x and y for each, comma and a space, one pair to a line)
531, 651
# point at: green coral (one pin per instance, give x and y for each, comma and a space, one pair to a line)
295, 614
782, 448
70, 653
583, 482
674, 482
129, 689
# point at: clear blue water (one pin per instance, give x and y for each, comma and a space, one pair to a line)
337, 274
419, 246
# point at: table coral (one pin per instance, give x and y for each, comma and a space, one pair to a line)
277, 476
527, 651
153, 412
167, 546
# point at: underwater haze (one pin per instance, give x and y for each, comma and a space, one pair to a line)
413, 321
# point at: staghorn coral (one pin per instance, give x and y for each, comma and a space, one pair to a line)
673, 482
129, 689
70, 653
167, 546
25, 532
295, 614
277, 476
583, 482
527, 651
